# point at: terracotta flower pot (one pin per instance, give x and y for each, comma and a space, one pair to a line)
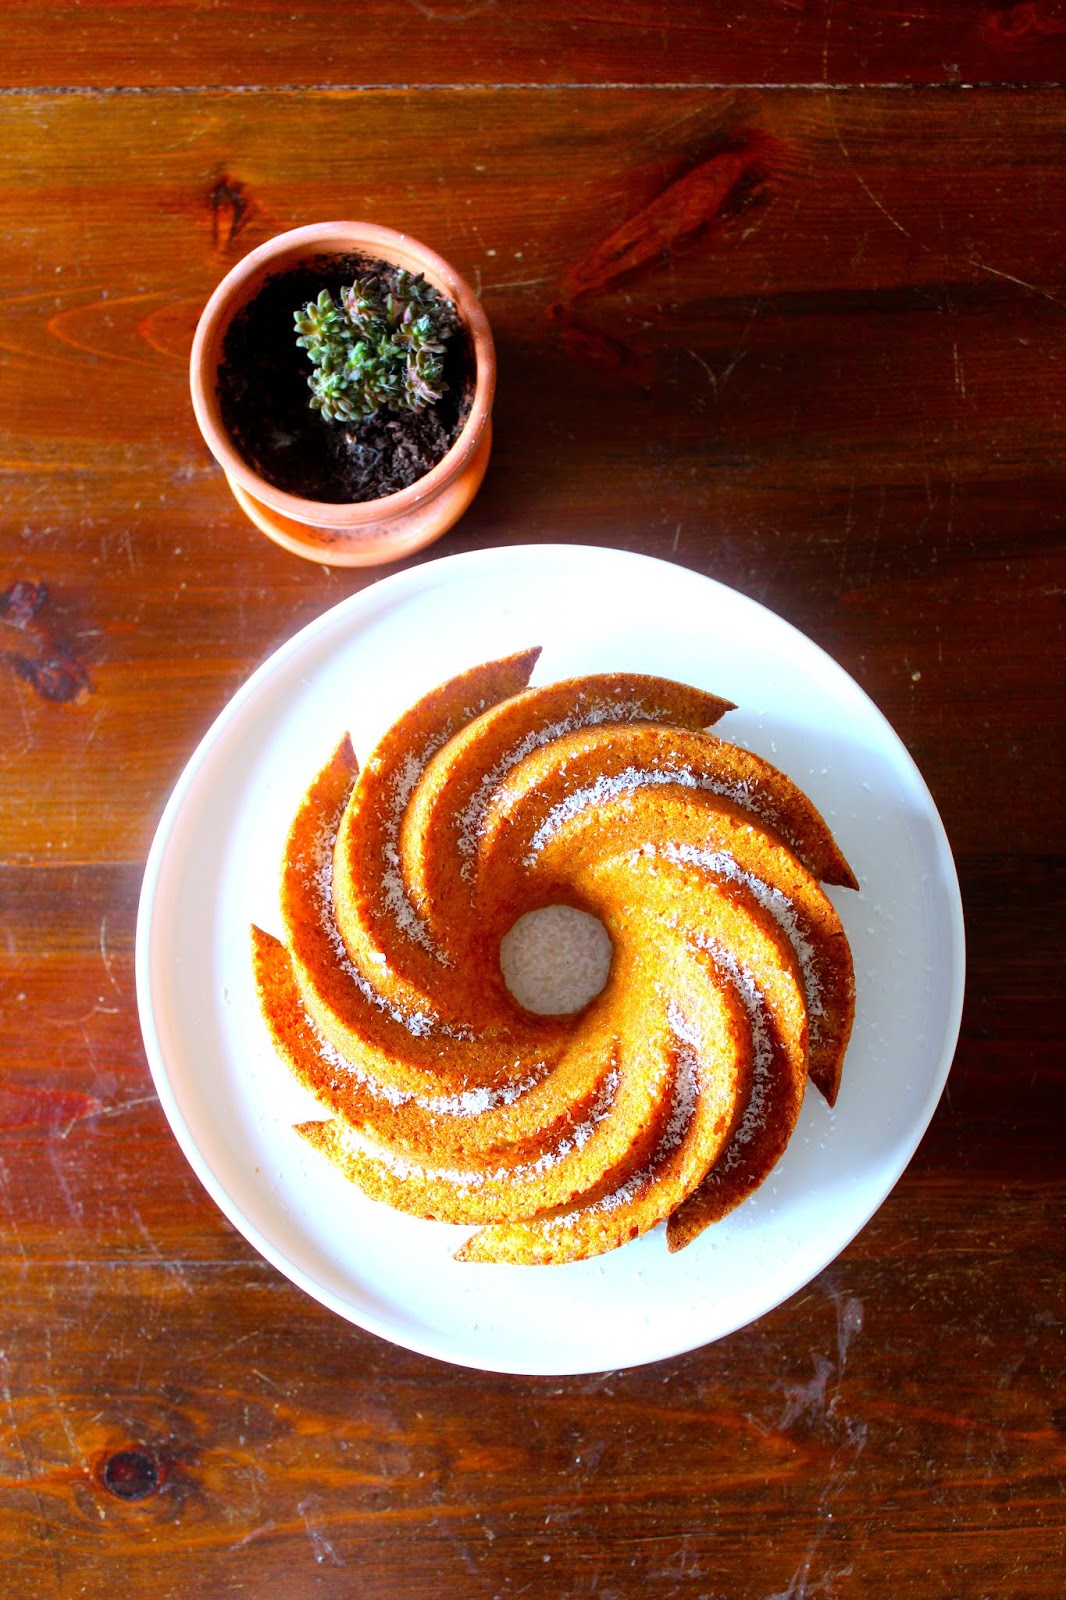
372, 531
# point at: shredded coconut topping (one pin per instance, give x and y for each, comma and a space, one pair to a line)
705, 1082
419, 1023
754, 1114
396, 898
771, 899
684, 1093
466, 1103
572, 1143
474, 1102
590, 715
620, 784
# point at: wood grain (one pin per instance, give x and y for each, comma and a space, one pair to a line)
529, 42
826, 400
810, 344
358, 1470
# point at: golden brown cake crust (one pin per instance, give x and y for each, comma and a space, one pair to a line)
670, 1097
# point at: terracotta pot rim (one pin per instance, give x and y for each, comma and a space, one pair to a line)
240, 285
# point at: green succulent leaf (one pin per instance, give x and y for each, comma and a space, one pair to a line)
379, 347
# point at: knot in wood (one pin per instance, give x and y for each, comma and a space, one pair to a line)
132, 1474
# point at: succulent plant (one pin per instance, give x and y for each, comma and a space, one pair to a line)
379, 348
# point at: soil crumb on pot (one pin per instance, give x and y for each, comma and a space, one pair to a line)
264, 398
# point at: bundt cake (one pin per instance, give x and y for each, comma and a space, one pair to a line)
672, 1093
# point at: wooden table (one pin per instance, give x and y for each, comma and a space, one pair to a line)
830, 372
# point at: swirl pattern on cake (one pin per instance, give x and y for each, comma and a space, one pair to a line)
672, 1094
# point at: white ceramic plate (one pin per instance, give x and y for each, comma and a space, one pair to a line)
213, 869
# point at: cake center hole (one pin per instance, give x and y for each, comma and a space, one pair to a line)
556, 960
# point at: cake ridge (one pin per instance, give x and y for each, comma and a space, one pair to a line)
671, 1095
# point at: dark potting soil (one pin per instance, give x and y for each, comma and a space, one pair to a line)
263, 397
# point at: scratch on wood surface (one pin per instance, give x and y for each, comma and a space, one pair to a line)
806, 1402
1034, 288
100, 1112
175, 1270
16, 1434
9, 1210
466, 1555
690, 114
849, 1323
26, 743
105, 954
501, 285
9, 1404
462, 11
825, 40
677, 215
214, 1353
857, 175
803, 1587
323, 1550
75, 1209
971, 261
100, 716
819, 1403
960, 375
125, 542
76, 1452
256, 1533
